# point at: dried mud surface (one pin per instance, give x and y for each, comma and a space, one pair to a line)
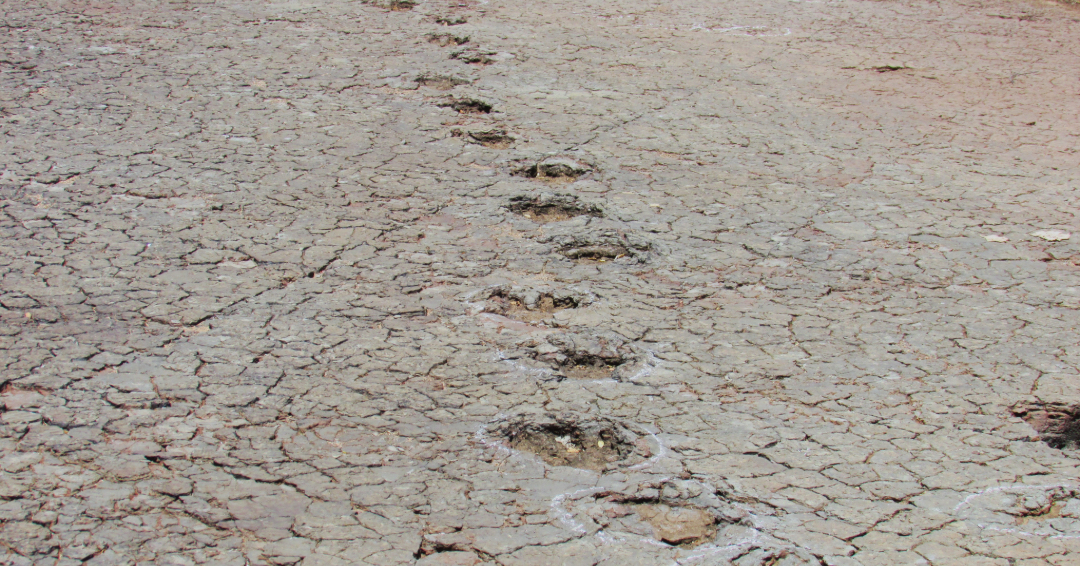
307, 283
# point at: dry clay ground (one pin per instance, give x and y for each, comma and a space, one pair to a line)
539, 283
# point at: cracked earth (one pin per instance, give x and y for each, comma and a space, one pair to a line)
511, 283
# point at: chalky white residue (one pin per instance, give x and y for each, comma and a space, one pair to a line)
661, 450
651, 363
476, 307
727, 551
520, 367
567, 518
753, 537
646, 369
558, 505
482, 437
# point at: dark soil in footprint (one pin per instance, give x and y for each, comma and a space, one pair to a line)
552, 209
590, 446
600, 246
451, 21
554, 170
446, 39
583, 356
685, 526
468, 106
596, 254
440, 82
473, 57
495, 139
888, 68
589, 366
515, 307
1058, 424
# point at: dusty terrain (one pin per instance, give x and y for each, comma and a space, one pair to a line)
539, 283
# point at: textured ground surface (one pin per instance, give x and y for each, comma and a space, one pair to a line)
567, 282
